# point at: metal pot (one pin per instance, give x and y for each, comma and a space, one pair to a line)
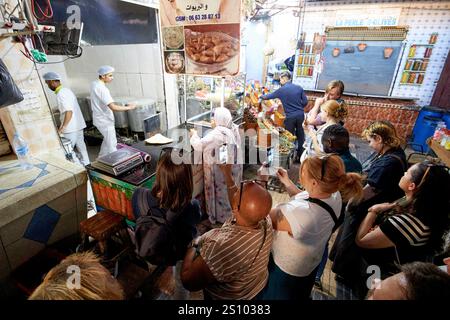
121, 117
85, 106
144, 109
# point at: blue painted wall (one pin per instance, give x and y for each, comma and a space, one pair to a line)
366, 72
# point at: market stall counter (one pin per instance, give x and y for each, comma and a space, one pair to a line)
38, 207
115, 192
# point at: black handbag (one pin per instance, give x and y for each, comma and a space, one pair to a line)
9, 92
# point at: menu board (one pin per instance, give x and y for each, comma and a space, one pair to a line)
201, 37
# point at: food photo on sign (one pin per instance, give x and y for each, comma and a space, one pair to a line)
173, 38
184, 12
212, 49
174, 61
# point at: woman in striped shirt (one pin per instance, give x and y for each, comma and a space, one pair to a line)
411, 228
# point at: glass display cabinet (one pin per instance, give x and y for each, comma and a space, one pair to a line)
203, 94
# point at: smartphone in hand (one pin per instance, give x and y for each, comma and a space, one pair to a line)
267, 168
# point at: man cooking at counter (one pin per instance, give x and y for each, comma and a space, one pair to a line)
103, 106
72, 121
294, 101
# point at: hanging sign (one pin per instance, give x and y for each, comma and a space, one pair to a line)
201, 37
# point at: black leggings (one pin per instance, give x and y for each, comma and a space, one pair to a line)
295, 126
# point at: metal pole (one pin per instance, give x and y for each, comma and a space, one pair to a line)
222, 100
184, 98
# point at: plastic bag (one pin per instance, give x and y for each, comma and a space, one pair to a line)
9, 92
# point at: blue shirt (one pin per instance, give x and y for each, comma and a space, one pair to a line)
351, 163
292, 97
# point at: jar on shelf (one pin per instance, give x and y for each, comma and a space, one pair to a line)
412, 77
433, 38
428, 52
405, 77
412, 51
424, 65
300, 59
313, 59
310, 71
420, 78
408, 64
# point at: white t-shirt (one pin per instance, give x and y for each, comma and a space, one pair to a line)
102, 115
68, 102
311, 225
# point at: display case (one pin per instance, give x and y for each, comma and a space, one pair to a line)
203, 94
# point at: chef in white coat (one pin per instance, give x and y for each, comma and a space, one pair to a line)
72, 121
102, 109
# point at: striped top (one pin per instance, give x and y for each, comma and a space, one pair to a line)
230, 253
406, 230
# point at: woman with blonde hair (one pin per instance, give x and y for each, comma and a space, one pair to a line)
305, 223
80, 276
332, 112
333, 91
383, 171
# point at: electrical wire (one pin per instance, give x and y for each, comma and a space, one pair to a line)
44, 15
29, 56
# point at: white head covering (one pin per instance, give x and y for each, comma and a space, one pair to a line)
51, 76
105, 70
224, 124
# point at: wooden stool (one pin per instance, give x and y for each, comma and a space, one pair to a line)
101, 227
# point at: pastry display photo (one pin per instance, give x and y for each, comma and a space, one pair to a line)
173, 38
174, 61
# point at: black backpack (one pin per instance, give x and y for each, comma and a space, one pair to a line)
155, 237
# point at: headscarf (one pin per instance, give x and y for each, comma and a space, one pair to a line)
224, 124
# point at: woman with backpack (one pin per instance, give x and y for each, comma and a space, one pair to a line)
169, 202
382, 170
304, 224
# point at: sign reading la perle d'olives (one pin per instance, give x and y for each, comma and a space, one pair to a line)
201, 37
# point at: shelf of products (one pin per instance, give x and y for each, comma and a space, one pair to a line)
306, 61
418, 59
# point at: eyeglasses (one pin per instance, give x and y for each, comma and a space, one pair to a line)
262, 183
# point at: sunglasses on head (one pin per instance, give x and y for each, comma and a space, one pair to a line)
262, 183
429, 164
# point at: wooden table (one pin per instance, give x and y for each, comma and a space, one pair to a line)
440, 151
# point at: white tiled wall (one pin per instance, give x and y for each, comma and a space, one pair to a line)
138, 70
422, 18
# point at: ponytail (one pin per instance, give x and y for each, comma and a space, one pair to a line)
334, 178
350, 187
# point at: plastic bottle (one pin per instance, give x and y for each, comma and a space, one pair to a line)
439, 131
22, 152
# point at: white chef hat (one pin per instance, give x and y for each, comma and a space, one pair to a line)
105, 70
51, 76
